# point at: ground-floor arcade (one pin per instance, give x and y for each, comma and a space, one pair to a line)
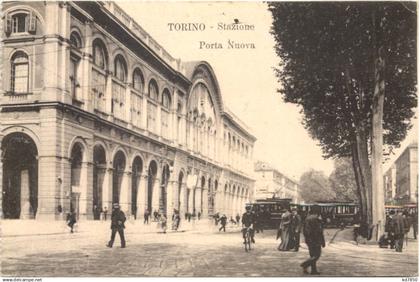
86, 166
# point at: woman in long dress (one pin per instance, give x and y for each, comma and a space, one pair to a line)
286, 230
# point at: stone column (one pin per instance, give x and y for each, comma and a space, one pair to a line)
191, 200
158, 127
144, 113
156, 195
25, 206
86, 189
107, 188
127, 113
198, 192
170, 198
183, 199
108, 93
125, 193
142, 195
47, 186
205, 206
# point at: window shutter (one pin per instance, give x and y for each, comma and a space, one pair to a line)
8, 24
32, 23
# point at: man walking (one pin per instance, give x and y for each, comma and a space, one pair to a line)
314, 238
296, 228
146, 216
71, 219
223, 221
248, 221
399, 225
117, 225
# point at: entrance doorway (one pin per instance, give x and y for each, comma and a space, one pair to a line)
20, 177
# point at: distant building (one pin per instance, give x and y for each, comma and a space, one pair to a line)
269, 182
401, 179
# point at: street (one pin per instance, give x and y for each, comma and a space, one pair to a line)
199, 251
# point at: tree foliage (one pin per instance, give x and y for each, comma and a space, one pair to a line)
327, 52
315, 186
342, 180
333, 55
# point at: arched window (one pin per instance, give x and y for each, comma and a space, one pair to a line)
166, 99
138, 81
19, 73
153, 90
99, 54
120, 68
75, 40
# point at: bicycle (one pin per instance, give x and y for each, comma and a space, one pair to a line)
247, 242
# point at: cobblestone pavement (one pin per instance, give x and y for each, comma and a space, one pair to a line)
190, 253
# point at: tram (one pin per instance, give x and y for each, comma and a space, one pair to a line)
270, 210
333, 214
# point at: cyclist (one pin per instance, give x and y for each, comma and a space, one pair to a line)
248, 221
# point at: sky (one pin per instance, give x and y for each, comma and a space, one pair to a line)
246, 76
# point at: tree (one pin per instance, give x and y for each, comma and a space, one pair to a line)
337, 61
343, 182
314, 187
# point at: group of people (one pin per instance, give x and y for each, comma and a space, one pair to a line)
192, 215
291, 226
289, 230
223, 220
397, 226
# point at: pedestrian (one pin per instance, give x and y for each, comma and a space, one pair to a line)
199, 215
189, 216
186, 215
146, 216
155, 215
238, 218
96, 212
71, 219
390, 240
176, 219
216, 219
105, 212
286, 231
314, 238
414, 219
296, 229
223, 221
117, 225
248, 221
163, 222
399, 229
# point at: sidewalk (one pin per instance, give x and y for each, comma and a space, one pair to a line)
344, 240
18, 228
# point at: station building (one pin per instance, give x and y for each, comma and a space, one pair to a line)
94, 111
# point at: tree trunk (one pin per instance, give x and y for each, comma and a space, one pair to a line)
361, 189
377, 144
364, 168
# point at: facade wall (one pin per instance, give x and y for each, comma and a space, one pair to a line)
102, 135
401, 180
272, 183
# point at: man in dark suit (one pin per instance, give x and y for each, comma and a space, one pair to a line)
399, 226
296, 228
223, 221
117, 225
314, 238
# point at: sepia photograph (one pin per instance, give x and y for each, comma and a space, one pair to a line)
208, 139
